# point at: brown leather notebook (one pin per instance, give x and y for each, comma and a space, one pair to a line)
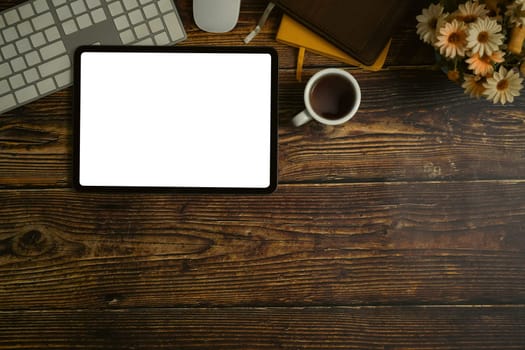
361, 28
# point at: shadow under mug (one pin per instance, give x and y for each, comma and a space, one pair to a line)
332, 96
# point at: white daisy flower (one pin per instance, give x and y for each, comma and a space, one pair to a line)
452, 39
429, 21
470, 11
503, 86
484, 36
473, 85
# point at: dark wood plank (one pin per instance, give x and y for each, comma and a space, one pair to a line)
417, 202
36, 143
412, 125
385, 243
473, 327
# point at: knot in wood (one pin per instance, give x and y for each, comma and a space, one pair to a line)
31, 238
31, 243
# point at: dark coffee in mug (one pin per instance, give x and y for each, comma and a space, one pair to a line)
332, 96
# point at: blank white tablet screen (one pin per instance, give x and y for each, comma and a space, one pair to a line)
175, 119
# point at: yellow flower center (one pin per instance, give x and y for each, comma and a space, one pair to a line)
502, 85
483, 37
485, 59
455, 38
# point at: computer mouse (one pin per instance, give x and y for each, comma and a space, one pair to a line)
216, 16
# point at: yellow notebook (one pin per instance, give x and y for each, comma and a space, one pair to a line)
294, 34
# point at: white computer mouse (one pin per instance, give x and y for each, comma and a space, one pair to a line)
216, 16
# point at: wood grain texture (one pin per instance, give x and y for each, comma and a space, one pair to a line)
403, 229
473, 327
402, 133
305, 245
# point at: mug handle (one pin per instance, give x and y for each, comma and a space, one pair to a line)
301, 118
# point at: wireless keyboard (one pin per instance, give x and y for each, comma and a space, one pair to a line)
38, 39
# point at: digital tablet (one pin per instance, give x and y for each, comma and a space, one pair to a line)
175, 118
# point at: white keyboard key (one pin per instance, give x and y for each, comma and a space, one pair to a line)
98, 15
162, 39
40, 6
64, 78
54, 66
45, 86
84, 21
121, 23
16, 81
130, 4
32, 58
18, 64
11, 17
31, 75
127, 36
10, 34
24, 28
5, 70
174, 31
136, 16
38, 39
156, 25
26, 11
78, 7
115, 8
144, 2
141, 31
26, 94
7, 102
69, 27
59, 2
150, 11
4, 87
64, 13
93, 3
9, 51
43, 21
52, 50
23, 45
165, 5
52, 34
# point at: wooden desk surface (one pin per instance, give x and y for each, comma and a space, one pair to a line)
403, 229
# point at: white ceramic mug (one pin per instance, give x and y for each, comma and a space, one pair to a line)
332, 96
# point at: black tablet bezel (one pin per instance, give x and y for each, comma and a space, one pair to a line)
184, 49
